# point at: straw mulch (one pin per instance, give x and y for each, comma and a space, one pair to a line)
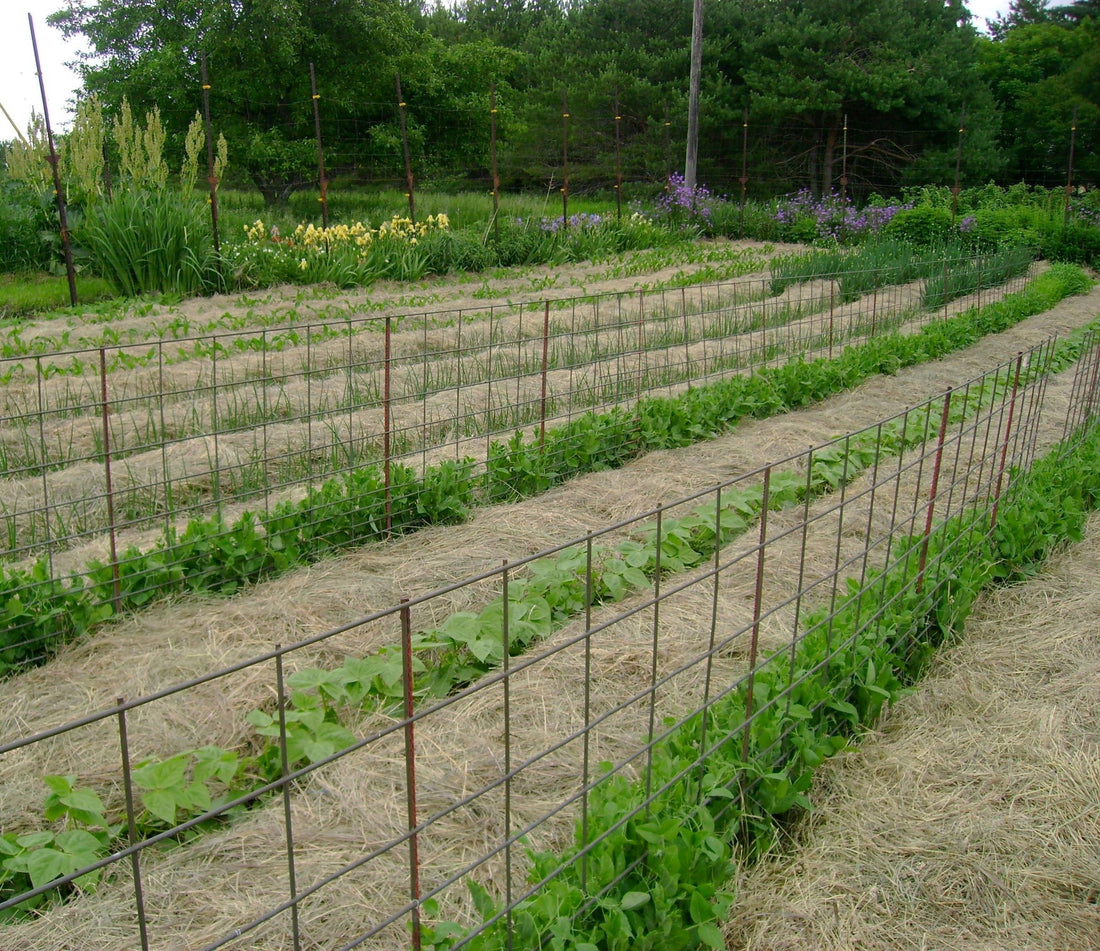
202, 892
971, 818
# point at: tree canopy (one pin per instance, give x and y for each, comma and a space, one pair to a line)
862, 94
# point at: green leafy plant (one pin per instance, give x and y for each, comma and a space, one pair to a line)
145, 242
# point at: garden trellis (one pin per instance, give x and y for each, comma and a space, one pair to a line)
684, 674
118, 442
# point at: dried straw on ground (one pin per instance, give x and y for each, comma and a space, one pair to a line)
971, 819
200, 892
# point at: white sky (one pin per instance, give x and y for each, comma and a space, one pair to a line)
19, 92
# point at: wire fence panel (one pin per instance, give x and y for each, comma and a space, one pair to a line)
588, 691
230, 421
170, 444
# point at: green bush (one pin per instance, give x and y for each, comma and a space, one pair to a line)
924, 226
29, 239
995, 228
1077, 243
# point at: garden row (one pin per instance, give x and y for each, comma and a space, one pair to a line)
42, 612
214, 783
659, 855
702, 794
258, 422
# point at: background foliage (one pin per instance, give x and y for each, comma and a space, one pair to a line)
868, 90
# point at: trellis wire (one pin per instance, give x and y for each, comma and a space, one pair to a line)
972, 461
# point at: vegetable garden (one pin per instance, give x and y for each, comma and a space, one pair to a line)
510, 727
281, 445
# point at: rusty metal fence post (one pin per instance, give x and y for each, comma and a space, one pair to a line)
53, 159
322, 181
284, 766
131, 824
930, 509
758, 593
545, 362
410, 771
387, 425
618, 159
493, 158
1004, 443
405, 148
565, 161
108, 480
211, 179
506, 644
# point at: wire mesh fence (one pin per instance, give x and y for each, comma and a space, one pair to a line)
533, 747
112, 450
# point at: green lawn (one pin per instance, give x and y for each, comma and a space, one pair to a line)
36, 292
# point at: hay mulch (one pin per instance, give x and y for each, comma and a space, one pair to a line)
971, 819
202, 892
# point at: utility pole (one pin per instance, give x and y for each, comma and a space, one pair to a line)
691, 160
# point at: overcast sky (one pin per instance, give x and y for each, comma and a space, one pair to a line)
19, 92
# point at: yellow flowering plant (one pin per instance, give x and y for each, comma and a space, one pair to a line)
345, 254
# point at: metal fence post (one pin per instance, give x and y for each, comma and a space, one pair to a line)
932, 491
131, 823
387, 424
322, 181
545, 361
1004, 443
109, 483
410, 770
288, 826
506, 664
756, 610
211, 179
653, 662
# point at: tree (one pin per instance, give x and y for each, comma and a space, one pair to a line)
1019, 13
259, 52
1040, 73
899, 71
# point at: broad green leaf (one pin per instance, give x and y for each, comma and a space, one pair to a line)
161, 803
484, 904
711, 935
699, 908
84, 805
166, 774
44, 865
81, 844
59, 784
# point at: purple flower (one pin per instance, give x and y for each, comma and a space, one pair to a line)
833, 215
685, 206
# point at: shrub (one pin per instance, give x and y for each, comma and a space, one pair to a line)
1076, 243
924, 227
29, 238
145, 241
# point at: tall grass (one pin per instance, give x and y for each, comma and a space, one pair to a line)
145, 242
969, 276
891, 261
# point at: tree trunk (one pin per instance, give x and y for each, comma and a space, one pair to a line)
829, 159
